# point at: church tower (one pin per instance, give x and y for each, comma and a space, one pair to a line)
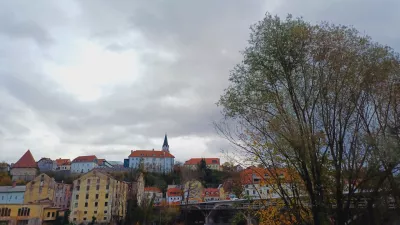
165, 146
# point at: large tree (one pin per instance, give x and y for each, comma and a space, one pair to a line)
322, 101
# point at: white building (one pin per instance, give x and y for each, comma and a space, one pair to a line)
153, 192
84, 164
152, 160
174, 195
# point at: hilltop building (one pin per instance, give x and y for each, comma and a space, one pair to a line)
63, 164
46, 164
212, 163
152, 160
100, 195
25, 168
84, 164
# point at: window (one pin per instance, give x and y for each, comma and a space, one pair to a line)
105, 218
2, 197
107, 187
87, 188
105, 203
95, 212
106, 195
105, 211
84, 218
53, 214
97, 196
86, 204
85, 212
74, 219
95, 204
87, 196
78, 188
88, 181
48, 214
77, 197
97, 187
76, 205
15, 197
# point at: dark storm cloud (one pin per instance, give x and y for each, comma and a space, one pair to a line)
187, 48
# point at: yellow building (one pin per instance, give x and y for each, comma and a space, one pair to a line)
40, 188
193, 192
27, 214
97, 194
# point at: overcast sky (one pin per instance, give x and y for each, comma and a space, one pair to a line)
105, 77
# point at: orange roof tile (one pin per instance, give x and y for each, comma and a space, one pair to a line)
211, 192
209, 161
26, 161
174, 192
151, 153
87, 158
263, 174
152, 189
61, 162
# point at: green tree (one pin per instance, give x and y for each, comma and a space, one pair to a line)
322, 101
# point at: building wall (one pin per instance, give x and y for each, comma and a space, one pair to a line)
210, 166
99, 195
25, 174
42, 187
152, 164
64, 167
82, 167
33, 214
157, 196
63, 193
11, 197
47, 165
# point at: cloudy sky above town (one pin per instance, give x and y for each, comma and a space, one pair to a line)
104, 77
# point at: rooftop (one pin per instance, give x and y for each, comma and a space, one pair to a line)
61, 162
209, 161
86, 158
26, 161
4, 189
151, 153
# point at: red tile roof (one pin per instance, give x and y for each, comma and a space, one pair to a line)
264, 175
174, 192
87, 158
61, 162
26, 161
209, 161
151, 153
152, 189
211, 192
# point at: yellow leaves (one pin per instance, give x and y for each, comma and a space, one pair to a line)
272, 216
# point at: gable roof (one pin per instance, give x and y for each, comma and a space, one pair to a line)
174, 192
209, 161
86, 158
211, 192
26, 161
265, 175
151, 153
61, 162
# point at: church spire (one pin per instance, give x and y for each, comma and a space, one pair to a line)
165, 146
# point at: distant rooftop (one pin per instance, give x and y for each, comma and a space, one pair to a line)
4, 189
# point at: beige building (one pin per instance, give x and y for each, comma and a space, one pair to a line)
25, 168
97, 194
212, 163
44, 188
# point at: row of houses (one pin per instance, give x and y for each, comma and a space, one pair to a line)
94, 194
159, 161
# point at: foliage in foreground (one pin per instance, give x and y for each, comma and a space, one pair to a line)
321, 101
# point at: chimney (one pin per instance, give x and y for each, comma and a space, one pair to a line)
131, 151
153, 149
14, 183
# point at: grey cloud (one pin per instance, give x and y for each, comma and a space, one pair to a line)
204, 37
